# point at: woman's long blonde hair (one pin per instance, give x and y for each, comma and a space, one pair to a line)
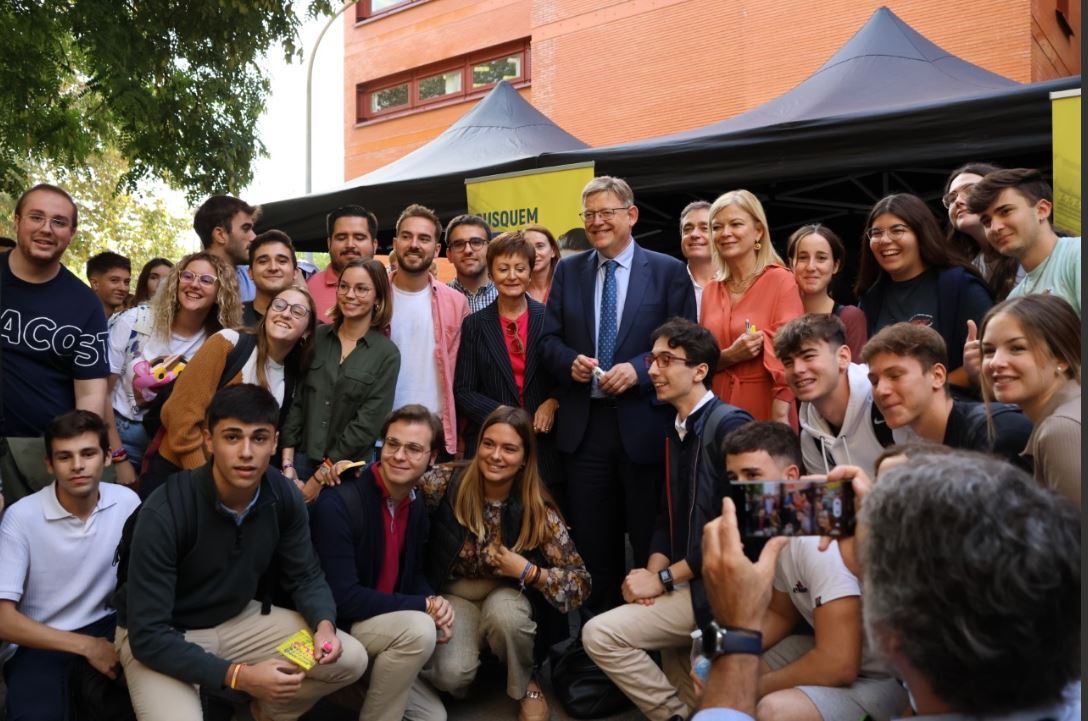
749, 203
468, 506
226, 312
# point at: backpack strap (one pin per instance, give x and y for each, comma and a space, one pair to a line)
708, 448
238, 357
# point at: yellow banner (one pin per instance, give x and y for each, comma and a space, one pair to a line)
551, 197
1065, 107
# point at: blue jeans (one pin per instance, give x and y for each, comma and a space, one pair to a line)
134, 439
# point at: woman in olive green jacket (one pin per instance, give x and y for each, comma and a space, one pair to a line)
348, 391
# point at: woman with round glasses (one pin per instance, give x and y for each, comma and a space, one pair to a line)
909, 274
1031, 357
966, 234
500, 553
753, 296
274, 355
499, 361
816, 255
547, 257
348, 390
150, 345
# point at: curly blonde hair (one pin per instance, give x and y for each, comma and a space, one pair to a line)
226, 312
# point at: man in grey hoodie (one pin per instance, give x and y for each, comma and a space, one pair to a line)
839, 425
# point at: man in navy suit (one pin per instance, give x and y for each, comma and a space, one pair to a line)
602, 308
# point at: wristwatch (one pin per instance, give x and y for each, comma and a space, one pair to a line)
666, 579
722, 640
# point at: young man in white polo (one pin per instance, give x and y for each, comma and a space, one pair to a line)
56, 572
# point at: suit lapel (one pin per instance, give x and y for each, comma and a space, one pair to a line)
496, 345
588, 278
636, 283
536, 322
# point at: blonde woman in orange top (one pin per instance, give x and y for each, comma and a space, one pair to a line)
751, 298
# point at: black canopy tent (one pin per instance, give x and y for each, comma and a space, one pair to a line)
501, 133
889, 112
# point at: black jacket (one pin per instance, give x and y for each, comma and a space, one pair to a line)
349, 537
702, 486
170, 590
485, 379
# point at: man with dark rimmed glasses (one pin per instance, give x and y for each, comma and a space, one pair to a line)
666, 600
467, 237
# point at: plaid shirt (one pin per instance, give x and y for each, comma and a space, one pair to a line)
481, 299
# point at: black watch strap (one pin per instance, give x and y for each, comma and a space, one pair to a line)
666, 579
722, 640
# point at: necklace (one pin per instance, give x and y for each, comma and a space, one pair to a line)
738, 287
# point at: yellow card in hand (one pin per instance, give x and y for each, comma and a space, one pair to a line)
299, 650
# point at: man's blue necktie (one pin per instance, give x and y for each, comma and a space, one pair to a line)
606, 334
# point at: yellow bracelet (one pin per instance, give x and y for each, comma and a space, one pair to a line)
234, 676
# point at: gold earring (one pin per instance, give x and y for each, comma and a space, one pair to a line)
758, 245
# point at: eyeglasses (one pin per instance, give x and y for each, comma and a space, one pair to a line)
476, 244
188, 276
952, 196
414, 451
56, 223
893, 233
360, 289
665, 359
297, 309
604, 213
511, 327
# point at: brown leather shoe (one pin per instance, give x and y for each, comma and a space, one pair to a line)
534, 707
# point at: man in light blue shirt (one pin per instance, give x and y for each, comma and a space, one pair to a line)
225, 226
1015, 207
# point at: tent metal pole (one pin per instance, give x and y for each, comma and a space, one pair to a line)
309, 91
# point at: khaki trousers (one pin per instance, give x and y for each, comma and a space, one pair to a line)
618, 640
398, 645
250, 638
486, 611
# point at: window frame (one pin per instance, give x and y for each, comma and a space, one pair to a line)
463, 63
364, 9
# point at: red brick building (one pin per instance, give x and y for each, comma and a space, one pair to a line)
611, 72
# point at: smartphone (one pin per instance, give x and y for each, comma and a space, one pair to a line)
793, 508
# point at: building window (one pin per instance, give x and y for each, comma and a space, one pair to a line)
440, 85
492, 71
389, 98
456, 79
370, 8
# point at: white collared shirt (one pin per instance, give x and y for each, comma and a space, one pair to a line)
681, 424
698, 292
57, 568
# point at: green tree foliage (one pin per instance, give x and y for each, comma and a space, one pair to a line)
174, 85
138, 224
